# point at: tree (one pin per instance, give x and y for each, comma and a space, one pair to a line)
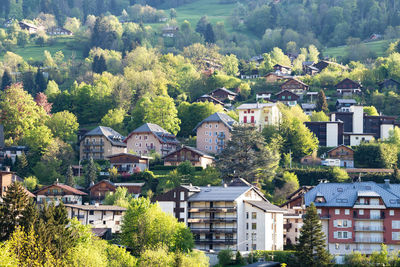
318, 116
91, 172
22, 38
201, 25
41, 100
311, 249
69, 177
290, 184
31, 183
22, 165
52, 90
375, 155
313, 53
41, 83
63, 125
225, 257
209, 35
115, 119
6, 80
121, 197
340, 175
322, 105
239, 260
371, 111
99, 64
246, 156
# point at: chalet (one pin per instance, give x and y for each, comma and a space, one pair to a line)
287, 97
273, 77
348, 87
282, 69
59, 31
213, 132
325, 63
266, 96
223, 94
8, 177
308, 108
151, 137
306, 67
257, 59
100, 143
343, 105
99, 190
211, 99
390, 84
295, 86
31, 28
170, 31
57, 193
312, 160
127, 163
187, 153
344, 153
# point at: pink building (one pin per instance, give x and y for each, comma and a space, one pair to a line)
213, 132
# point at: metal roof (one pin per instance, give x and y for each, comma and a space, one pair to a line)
219, 193
255, 105
162, 135
218, 117
265, 206
113, 136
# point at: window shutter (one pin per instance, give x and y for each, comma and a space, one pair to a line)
349, 223
334, 234
349, 235
335, 223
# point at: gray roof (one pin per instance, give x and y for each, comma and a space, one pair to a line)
265, 206
97, 207
255, 105
225, 90
113, 136
162, 135
308, 63
219, 193
346, 194
218, 117
308, 106
195, 150
191, 188
346, 101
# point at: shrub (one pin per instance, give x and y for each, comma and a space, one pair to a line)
239, 259
225, 257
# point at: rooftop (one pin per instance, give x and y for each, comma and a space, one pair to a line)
113, 136
219, 193
218, 117
162, 135
265, 206
96, 207
195, 150
255, 105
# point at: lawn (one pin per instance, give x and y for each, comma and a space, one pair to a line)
379, 47
36, 52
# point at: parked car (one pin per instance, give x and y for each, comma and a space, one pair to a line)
331, 162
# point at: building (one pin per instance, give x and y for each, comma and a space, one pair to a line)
259, 114
99, 190
325, 63
329, 133
127, 164
100, 143
348, 87
358, 216
344, 153
150, 137
213, 132
266, 96
287, 97
31, 28
98, 216
59, 192
174, 202
59, 31
309, 68
308, 108
293, 219
274, 77
170, 31
295, 86
282, 69
390, 84
223, 94
6, 179
211, 99
186, 153
343, 105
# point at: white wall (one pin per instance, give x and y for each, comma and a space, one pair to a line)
385, 128
358, 119
332, 132
167, 207
355, 140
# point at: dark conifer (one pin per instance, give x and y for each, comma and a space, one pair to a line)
322, 105
6, 80
69, 177
40, 81
209, 35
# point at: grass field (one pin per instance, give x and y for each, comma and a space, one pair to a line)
35, 52
378, 47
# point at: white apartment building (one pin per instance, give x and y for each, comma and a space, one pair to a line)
98, 216
259, 114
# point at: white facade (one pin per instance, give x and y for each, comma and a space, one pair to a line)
332, 132
66, 199
259, 114
358, 119
385, 129
356, 139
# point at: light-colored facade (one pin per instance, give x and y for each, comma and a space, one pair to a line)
57, 193
259, 114
98, 216
127, 163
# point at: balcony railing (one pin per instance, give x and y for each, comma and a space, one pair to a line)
93, 143
380, 216
216, 241
369, 240
213, 209
369, 228
78, 216
326, 216
69, 201
213, 230
182, 159
210, 219
54, 193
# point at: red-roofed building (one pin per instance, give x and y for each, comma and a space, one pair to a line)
59, 192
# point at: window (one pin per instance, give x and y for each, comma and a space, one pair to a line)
91, 221
344, 234
395, 235
254, 236
395, 224
104, 222
254, 226
319, 211
247, 215
116, 222
104, 212
247, 226
346, 211
391, 212
91, 212
345, 223
247, 236
182, 195
361, 212
254, 246
247, 247
339, 234
254, 215
216, 125
337, 211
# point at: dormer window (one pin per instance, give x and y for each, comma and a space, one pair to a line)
320, 199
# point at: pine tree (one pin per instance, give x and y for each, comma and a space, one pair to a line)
69, 178
322, 105
15, 203
22, 165
209, 35
40, 81
311, 251
91, 172
99, 64
6, 80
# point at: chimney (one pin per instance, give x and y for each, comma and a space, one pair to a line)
387, 182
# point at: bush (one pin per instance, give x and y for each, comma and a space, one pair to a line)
239, 259
287, 256
225, 257
163, 168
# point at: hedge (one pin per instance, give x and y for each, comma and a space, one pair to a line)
170, 168
285, 256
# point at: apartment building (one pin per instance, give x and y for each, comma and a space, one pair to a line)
358, 216
214, 132
259, 114
100, 143
98, 216
151, 137
235, 216
58, 192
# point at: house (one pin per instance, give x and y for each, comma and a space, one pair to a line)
309, 68
211, 99
295, 86
282, 69
274, 77
344, 153
150, 137
8, 177
390, 84
321, 65
213, 132
235, 216
12, 152
287, 97
100, 143
98, 216
312, 160
127, 163
58, 192
223, 94
187, 153
308, 108
348, 87
343, 105
266, 96
293, 219
170, 31
329, 133
358, 216
59, 31
174, 202
99, 190
31, 28
259, 114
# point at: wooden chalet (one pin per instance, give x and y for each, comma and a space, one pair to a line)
187, 153
295, 86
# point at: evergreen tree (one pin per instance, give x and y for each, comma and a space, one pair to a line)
15, 203
99, 64
40, 81
22, 165
311, 251
201, 25
91, 172
322, 105
69, 179
6, 80
209, 35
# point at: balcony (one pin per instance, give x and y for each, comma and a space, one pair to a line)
78, 216
324, 217
369, 228
287, 226
211, 220
54, 193
213, 209
370, 218
214, 230
182, 159
216, 241
93, 143
370, 240
70, 201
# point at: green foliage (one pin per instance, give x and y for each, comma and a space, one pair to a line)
69, 177
371, 111
322, 105
319, 116
375, 155
31, 183
114, 119
287, 256
120, 197
340, 175
91, 172
239, 260
290, 184
225, 257
63, 125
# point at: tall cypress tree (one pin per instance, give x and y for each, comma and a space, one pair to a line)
40, 81
209, 35
6, 80
311, 251
69, 178
91, 172
22, 165
322, 105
